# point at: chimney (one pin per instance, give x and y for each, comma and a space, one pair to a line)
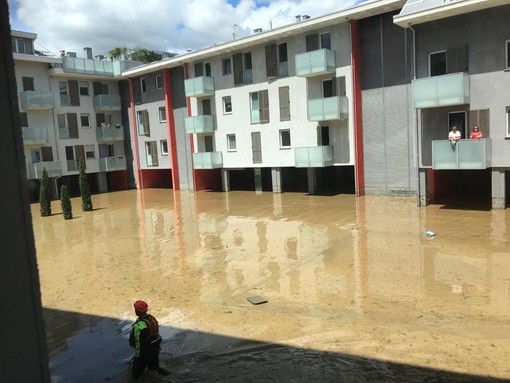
298, 18
88, 53
71, 54
258, 30
305, 17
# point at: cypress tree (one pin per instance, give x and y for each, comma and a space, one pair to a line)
86, 200
67, 209
44, 198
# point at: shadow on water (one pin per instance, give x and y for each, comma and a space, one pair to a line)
87, 348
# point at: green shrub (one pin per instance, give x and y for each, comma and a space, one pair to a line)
86, 200
67, 209
44, 198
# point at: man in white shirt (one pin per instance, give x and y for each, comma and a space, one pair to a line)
454, 134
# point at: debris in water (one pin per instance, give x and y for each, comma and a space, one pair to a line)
430, 234
257, 300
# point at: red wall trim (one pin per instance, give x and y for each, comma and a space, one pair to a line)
359, 167
134, 132
171, 129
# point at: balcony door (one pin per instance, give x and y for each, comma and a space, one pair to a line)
457, 119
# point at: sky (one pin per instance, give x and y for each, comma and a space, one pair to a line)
164, 25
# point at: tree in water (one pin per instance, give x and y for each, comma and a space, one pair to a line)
44, 198
86, 200
67, 209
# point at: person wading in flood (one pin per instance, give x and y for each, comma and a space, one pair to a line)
145, 339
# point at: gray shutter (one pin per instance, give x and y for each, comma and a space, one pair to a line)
154, 152
341, 87
74, 92
238, 68
256, 148
271, 64
96, 86
72, 124
264, 106
199, 69
312, 42
47, 153
484, 121
473, 120
145, 122
283, 93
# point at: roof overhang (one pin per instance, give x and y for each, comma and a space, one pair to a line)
34, 58
23, 35
446, 10
367, 9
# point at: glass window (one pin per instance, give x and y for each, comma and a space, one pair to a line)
255, 110
28, 83
90, 151
85, 120
282, 53
143, 85
61, 118
162, 114
437, 63
84, 88
62, 87
285, 138
226, 66
227, 105
207, 69
231, 142
164, 147
327, 88
159, 82
326, 40
105, 89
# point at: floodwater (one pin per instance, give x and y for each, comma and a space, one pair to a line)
356, 291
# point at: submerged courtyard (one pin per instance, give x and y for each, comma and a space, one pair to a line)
356, 290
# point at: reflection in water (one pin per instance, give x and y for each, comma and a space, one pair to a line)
356, 276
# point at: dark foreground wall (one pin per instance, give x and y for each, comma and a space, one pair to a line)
23, 357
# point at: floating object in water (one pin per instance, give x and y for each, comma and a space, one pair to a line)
257, 300
430, 234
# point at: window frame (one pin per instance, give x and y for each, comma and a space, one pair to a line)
445, 63
224, 98
158, 78
229, 147
164, 151
80, 87
93, 151
226, 70
320, 40
162, 117
27, 82
280, 134
143, 85
87, 115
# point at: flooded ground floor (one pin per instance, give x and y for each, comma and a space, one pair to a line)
356, 291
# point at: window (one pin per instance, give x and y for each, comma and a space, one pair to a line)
159, 81
325, 40
208, 143
90, 151
85, 120
67, 125
206, 107
453, 60
144, 128
162, 114
277, 60
508, 54
164, 147
24, 119
207, 67
328, 88
323, 135
226, 67
283, 93
64, 96
259, 105
35, 154
106, 150
151, 150
103, 119
227, 105
231, 142
143, 85
22, 46
508, 121
84, 88
437, 63
28, 83
285, 138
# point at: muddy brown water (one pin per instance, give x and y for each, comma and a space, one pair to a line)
354, 287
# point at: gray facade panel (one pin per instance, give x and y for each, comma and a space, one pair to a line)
177, 85
151, 94
183, 150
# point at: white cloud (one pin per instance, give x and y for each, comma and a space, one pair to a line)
169, 25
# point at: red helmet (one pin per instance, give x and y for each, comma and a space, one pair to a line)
141, 307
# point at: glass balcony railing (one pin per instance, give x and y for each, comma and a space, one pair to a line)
283, 69
111, 164
88, 66
248, 76
72, 165
34, 136
329, 108
199, 124
464, 154
108, 134
199, 86
315, 63
313, 156
34, 169
445, 90
31, 99
207, 160
106, 102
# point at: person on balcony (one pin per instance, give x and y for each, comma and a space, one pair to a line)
476, 134
454, 136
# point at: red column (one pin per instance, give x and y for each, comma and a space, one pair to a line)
359, 167
134, 133
171, 129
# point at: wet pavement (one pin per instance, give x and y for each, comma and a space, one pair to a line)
356, 291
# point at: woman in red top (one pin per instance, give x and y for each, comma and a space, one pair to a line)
476, 134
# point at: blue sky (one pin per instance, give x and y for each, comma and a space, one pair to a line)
174, 25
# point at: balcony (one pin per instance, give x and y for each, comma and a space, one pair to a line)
445, 90
329, 108
88, 66
31, 99
207, 160
283, 69
464, 155
315, 63
112, 164
199, 86
34, 169
109, 134
199, 124
313, 156
106, 102
34, 136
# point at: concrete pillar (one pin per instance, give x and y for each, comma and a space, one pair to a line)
225, 180
423, 187
276, 179
102, 184
312, 181
257, 172
498, 188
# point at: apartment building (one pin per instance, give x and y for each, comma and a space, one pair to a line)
70, 109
